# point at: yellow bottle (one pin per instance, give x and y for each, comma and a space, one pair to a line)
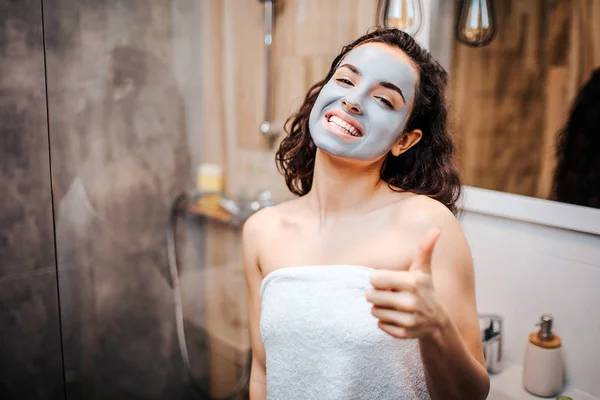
209, 183
209, 178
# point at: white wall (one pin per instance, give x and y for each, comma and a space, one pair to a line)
524, 270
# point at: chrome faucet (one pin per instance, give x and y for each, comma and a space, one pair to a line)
239, 210
491, 336
242, 209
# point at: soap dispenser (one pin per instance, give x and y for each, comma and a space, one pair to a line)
543, 366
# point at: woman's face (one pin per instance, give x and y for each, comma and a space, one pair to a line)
362, 110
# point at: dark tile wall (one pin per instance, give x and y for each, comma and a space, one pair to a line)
30, 366
25, 206
30, 353
120, 156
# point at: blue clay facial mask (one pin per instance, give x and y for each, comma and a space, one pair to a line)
362, 110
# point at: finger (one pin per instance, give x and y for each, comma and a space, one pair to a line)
423, 259
400, 332
393, 280
399, 301
393, 330
393, 317
397, 331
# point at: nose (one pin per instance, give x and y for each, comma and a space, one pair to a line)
351, 107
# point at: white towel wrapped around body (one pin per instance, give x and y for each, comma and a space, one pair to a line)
322, 342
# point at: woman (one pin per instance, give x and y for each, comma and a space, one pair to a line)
341, 280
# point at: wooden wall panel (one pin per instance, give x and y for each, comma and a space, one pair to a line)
493, 91
512, 97
213, 139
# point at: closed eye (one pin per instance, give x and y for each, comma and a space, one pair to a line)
385, 101
345, 81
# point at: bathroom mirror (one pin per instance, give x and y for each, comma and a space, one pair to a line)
526, 107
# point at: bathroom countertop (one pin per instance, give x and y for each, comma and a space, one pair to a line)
507, 385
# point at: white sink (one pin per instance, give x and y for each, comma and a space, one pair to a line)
496, 394
508, 385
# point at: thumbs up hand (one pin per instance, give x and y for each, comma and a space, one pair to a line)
404, 301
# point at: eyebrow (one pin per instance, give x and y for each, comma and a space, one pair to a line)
352, 68
387, 85
395, 88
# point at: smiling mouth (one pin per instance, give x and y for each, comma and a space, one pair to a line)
343, 126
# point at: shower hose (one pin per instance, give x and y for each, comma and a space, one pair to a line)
177, 205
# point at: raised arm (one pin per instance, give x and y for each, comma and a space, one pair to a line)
453, 356
434, 301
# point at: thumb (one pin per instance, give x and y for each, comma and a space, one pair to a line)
422, 261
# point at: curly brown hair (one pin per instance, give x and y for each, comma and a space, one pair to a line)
427, 168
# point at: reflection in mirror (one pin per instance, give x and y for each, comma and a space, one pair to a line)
526, 105
577, 174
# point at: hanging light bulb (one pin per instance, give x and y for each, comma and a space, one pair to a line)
476, 23
406, 15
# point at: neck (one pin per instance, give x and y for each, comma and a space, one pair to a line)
343, 186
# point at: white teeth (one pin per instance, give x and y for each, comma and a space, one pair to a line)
344, 125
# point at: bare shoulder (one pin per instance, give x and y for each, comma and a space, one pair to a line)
420, 210
420, 213
260, 226
267, 219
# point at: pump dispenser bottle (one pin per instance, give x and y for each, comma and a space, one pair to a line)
543, 366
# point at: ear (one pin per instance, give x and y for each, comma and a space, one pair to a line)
406, 141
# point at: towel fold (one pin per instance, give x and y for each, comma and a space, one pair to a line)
322, 342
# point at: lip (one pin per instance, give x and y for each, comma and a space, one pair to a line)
347, 119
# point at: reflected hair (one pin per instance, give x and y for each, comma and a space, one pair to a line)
577, 173
427, 168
